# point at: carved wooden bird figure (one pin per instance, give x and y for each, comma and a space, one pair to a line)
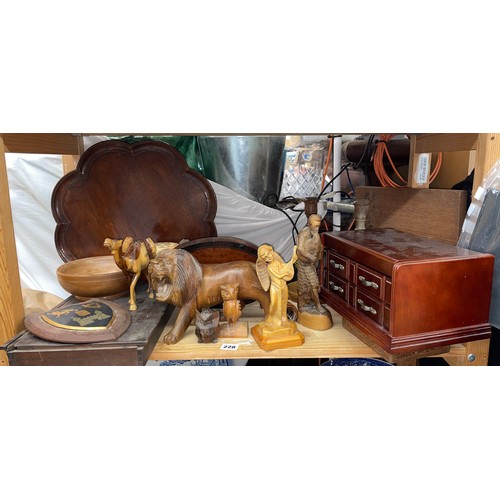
231, 306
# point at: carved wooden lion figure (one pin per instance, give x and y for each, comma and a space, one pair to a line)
179, 279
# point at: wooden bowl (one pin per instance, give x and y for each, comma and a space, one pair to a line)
93, 277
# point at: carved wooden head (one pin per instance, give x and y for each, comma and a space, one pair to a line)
229, 291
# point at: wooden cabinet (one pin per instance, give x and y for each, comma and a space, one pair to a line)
407, 292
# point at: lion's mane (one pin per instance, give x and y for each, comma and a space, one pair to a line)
175, 276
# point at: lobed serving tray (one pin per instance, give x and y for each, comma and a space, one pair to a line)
141, 190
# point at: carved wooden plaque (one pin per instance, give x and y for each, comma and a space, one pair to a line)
141, 190
94, 320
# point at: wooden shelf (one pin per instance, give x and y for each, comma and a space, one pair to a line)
58, 144
336, 342
484, 151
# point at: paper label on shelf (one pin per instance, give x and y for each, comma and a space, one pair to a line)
233, 347
423, 168
229, 347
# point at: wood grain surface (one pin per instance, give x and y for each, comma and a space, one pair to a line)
435, 213
143, 190
11, 300
221, 249
337, 342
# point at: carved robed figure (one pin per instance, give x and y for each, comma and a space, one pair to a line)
276, 331
309, 251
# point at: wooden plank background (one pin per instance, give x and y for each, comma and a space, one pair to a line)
434, 213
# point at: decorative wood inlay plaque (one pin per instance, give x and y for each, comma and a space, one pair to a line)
91, 316
95, 320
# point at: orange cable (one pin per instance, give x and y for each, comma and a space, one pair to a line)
378, 163
380, 171
437, 167
386, 150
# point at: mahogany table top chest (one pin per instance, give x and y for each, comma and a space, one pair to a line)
406, 292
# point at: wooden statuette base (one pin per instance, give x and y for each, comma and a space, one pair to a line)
270, 337
233, 330
315, 321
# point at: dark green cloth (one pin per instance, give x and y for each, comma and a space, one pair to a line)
187, 145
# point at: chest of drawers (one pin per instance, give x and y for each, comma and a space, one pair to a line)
407, 292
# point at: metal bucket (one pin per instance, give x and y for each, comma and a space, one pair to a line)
252, 166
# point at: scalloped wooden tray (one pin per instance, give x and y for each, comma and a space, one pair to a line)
141, 190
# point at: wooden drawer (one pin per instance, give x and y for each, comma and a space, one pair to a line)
338, 286
369, 306
337, 264
369, 281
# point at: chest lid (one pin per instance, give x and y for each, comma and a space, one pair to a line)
380, 249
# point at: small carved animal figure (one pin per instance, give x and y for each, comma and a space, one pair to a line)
231, 306
133, 258
179, 279
207, 326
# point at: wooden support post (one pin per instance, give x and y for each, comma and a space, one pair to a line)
11, 299
423, 145
488, 152
69, 163
472, 161
484, 152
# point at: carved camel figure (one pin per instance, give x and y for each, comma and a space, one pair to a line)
133, 257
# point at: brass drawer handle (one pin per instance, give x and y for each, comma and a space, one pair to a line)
335, 288
336, 266
366, 308
365, 282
